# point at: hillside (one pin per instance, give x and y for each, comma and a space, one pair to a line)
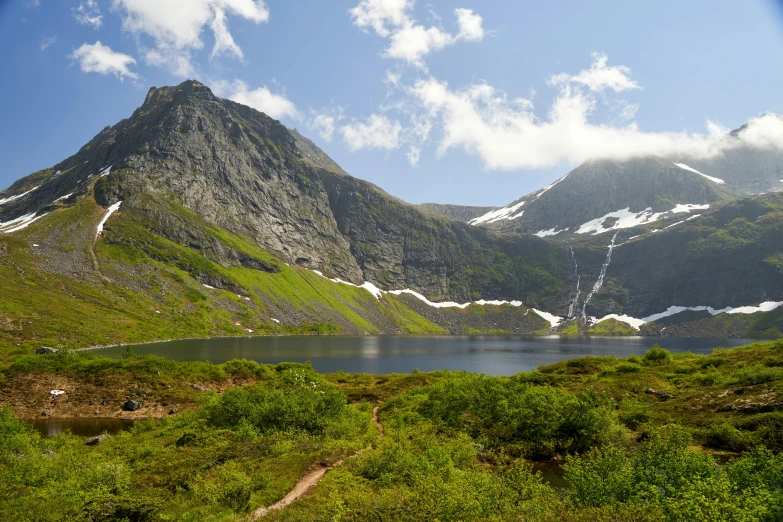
581, 439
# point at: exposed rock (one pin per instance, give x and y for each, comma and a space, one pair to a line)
131, 405
662, 395
172, 411
200, 388
92, 441
46, 413
45, 349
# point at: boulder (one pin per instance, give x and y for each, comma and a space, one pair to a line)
200, 388
46, 349
92, 441
46, 413
174, 410
662, 395
131, 405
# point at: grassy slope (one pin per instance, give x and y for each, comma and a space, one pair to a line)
155, 293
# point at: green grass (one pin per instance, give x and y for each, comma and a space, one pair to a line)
458, 446
612, 327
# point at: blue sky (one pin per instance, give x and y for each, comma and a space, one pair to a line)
469, 102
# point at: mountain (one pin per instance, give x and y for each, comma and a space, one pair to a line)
457, 212
603, 195
207, 217
199, 216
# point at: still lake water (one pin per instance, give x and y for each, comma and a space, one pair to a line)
493, 355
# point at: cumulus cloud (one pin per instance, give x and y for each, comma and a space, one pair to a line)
376, 132
262, 99
506, 134
101, 59
599, 77
470, 25
176, 26
410, 41
88, 13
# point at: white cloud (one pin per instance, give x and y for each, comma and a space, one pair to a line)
176, 26
414, 154
506, 134
48, 42
324, 124
377, 132
88, 13
224, 42
101, 59
599, 77
410, 41
262, 99
470, 25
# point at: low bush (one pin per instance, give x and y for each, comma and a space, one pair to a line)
656, 356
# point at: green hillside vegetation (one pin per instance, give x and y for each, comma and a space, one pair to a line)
658, 437
612, 327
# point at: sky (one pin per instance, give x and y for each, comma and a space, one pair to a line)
462, 101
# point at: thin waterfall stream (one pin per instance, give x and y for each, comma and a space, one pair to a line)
600, 282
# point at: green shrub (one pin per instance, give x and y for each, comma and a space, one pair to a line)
306, 408
627, 367
725, 436
225, 485
656, 356
634, 413
540, 420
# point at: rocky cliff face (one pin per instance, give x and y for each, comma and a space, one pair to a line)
456, 212
247, 173
617, 194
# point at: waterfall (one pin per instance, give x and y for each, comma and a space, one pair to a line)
578, 280
598, 284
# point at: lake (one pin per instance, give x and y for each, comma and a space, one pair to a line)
493, 355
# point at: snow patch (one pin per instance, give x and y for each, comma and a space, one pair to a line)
19, 223
14, 198
766, 306
624, 218
275, 320
551, 232
55, 393
543, 190
683, 221
713, 179
106, 171
687, 207
111, 210
634, 322
443, 304
497, 215
554, 320
63, 197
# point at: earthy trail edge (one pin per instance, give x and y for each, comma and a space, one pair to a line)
311, 478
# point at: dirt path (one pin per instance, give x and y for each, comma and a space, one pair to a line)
376, 421
311, 478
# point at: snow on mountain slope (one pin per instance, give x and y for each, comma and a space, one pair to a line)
686, 167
